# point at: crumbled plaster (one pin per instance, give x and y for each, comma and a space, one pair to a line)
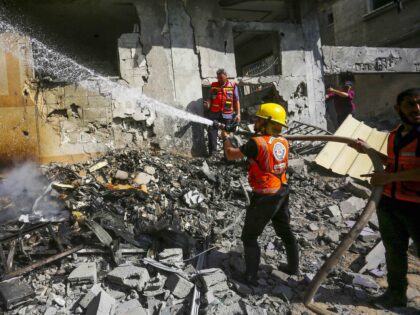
339, 59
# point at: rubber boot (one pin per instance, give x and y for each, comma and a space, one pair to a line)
390, 299
252, 263
292, 266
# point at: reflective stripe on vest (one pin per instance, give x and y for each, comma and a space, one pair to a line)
222, 97
267, 172
403, 157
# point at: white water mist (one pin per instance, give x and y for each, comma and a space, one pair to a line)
48, 62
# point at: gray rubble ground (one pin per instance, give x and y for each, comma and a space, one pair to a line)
167, 206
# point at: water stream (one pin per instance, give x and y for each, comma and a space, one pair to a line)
59, 67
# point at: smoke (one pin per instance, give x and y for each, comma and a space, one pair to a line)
26, 195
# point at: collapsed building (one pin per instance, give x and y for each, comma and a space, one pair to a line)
170, 51
141, 220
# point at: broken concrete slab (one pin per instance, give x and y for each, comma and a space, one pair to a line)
193, 198
334, 211
15, 292
102, 304
364, 281
85, 273
149, 170
129, 276
283, 290
121, 175
367, 235
131, 307
375, 258
59, 301
90, 295
211, 277
333, 236
209, 174
351, 206
297, 166
356, 189
143, 179
171, 256
179, 286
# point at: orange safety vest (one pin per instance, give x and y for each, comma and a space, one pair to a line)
222, 97
267, 172
406, 158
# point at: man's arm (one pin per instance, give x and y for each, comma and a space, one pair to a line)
231, 152
360, 149
383, 178
236, 104
339, 93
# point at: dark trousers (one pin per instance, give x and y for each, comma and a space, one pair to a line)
212, 131
398, 221
264, 208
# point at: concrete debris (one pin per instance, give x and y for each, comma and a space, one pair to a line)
98, 166
131, 307
59, 301
90, 295
121, 175
211, 277
209, 174
149, 170
356, 189
155, 235
368, 235
143, 179
365, 281
374, 258
297, 166
283, 290
102, 304
85, 273
179, 286
193, 198
130, 276
352, 206
334, 211
15, 292
171, 256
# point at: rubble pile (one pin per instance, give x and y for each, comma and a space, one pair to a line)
153, 233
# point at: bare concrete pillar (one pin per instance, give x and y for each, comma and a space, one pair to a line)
313, 61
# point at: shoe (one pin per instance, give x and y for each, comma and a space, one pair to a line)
292, 266
246, 279
290, 270
389, 300
252, 263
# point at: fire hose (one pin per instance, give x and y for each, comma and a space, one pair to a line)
354, 232
351, 236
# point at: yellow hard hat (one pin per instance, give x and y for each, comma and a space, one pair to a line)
273, 112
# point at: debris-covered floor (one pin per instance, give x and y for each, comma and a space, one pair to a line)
137, 232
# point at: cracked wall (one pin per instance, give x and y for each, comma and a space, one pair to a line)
174, 52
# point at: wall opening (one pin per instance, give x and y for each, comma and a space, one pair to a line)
80, 29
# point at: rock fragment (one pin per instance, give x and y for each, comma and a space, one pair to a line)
179, 286
84, 273
129, 276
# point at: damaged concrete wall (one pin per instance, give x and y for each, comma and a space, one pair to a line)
18, 125
370, 59
300, 83
356, 23
176, 49
213, 38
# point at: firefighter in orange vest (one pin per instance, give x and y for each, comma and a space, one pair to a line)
222, 105
267, 154
399, 209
